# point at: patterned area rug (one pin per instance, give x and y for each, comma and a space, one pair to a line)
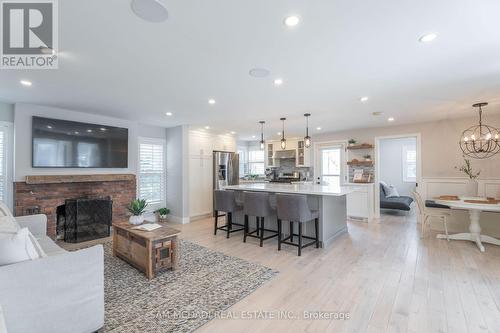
176, 301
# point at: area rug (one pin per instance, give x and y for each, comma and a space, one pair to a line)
176, 301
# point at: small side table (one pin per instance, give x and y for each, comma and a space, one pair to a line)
148, 251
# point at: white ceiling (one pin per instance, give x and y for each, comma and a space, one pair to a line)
113, 63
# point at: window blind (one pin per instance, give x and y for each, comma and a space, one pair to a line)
152, 173
3, 165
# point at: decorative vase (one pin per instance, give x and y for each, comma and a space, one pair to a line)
472, 188
136, 219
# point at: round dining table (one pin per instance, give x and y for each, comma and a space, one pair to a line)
474, 208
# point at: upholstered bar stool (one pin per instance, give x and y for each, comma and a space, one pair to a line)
295, 209
225, 201
258, 204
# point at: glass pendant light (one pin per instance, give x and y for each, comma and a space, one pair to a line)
262, 142
307, 138
283, 140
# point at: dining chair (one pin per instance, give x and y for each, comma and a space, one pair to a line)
425, 213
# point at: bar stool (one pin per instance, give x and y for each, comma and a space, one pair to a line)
225, 201
294, 208
257, 204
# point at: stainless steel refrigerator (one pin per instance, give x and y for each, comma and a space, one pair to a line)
226, 169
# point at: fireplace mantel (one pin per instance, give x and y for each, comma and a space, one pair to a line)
62, 179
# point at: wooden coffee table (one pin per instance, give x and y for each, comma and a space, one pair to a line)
148, 251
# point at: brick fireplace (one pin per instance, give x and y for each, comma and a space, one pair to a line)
44, 194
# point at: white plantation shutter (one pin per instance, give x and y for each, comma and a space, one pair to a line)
152, 173
5, 163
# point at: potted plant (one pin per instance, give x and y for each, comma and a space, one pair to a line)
163, 212
367, 157
137, 208
472, 185
351, 142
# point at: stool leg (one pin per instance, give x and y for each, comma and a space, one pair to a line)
279, 235
245, 232
261, 231
257, 225
215, 224
300, 239
229, 223
316, 227
291, 231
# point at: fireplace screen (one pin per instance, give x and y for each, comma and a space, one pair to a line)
80, 220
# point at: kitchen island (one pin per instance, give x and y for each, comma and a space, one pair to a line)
329, 200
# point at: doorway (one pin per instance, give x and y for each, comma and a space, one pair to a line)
330, 162
398, 166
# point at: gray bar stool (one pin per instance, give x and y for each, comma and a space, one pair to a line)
225, 201
257, 204
294, 208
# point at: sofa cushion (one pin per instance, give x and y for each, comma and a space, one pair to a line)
391, 192
399, 203
16, 247
49, 246
8, 224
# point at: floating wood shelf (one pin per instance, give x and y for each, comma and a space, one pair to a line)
361, 146
360, 163
60, 179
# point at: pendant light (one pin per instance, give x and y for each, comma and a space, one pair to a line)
262, 142
480, 141
307, 138
283, 140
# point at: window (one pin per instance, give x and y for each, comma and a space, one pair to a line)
5, 164
152, 173
409, 164
256, 162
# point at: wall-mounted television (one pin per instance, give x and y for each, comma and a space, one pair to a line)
70, 144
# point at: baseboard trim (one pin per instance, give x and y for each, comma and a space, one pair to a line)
178, 219
200, 217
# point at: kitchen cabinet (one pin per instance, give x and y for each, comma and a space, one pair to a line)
361, 203
269, 153
303, 155
200, 186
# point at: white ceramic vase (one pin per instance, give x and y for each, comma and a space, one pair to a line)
136, 219
472, 188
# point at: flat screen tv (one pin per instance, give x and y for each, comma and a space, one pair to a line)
71, 144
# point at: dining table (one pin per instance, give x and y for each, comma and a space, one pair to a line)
475, 206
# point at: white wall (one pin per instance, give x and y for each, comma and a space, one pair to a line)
391, 163
22, 139
6, 112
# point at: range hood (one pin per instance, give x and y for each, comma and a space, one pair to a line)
282, 154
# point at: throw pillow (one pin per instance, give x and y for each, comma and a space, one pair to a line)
4, 210
16, 247
392, 192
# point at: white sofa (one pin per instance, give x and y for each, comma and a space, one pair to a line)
62, 292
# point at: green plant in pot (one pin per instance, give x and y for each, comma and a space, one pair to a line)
351, 142
472, 185
367, 157
163, 212
137, 209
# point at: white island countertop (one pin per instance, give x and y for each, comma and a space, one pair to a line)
309, 189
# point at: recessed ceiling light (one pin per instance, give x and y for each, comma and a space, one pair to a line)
169, 113
76, 132
291, 21
253, 136
318, 128
279, 133
233, 132
390, 119
363, 99
211, 101
102, 129
26, 83
278, 82
150, 10
259, 72
427, 37
49, 127
377, 113
207, 127
89, 131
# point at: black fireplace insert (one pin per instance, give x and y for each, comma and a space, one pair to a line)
84, 219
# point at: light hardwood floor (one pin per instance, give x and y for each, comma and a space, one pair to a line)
383, 275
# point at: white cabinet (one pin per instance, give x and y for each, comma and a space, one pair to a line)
200, 185
269, 154
303, 155
361, 202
